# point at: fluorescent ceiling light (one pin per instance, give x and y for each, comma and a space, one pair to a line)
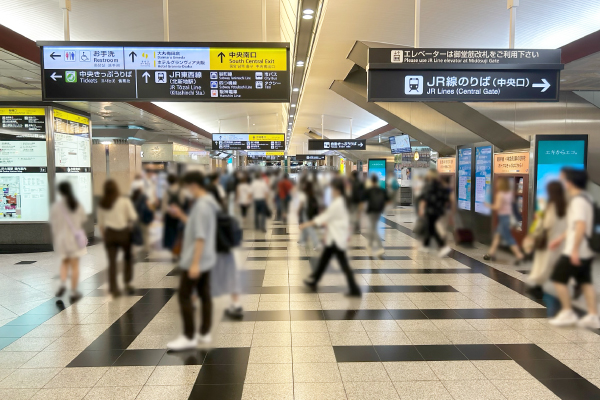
300, 63
295, 89
308, 11
293, 105
307, 16
106, 142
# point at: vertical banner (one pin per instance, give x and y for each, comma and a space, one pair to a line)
377, 167
483, 179
464, 178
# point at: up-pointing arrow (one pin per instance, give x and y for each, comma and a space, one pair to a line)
545, 85
132, 55
221, 55
146, 75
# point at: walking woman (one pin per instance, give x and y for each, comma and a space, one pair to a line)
244, 195
503, 205
116, 215
337, 221
308, 208
172, 226
551, 225
67, 218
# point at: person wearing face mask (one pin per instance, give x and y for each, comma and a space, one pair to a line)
577, 255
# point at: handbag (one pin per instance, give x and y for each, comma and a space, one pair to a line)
420, 227
541, 240
137, 238
79, 234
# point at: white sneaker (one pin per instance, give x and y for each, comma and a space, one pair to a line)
564, 318
590, 321
444, 251
204, 339
183, 343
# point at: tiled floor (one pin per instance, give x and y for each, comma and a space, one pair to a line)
425, 328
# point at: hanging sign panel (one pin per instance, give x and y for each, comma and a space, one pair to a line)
26, 120
226, 72
465, 75
248, 141
310, 157
266, 155
337, 144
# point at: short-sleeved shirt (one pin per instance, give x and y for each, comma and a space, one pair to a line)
580, 209
201, 224
284, 187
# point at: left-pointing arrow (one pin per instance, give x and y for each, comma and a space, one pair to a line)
54, 76
53, 55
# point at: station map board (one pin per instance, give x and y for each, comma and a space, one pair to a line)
119, 71
434, 74
72, 154
23, 165
248, 141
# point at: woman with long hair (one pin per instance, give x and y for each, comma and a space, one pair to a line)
503, 206
116, 215
67, 217
549, 225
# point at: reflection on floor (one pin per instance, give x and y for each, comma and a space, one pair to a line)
425, 328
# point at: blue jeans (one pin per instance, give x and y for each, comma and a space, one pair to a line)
503, 229
260, 214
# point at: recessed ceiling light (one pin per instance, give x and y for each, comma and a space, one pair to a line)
308, 11
290, 123
295, 89
292, 105
300, 63
307, 16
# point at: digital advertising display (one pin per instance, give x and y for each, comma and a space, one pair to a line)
143, 71
553, 153
464, 178
23, 165
377, 167
72, 155
483, 179
400, 144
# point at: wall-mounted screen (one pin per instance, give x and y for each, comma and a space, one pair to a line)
483, 179
400, 144
377, 167
464, 178
553, 154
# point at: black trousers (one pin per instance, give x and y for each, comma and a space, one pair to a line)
113, 240
186, 288
432, 232
329, 252
244, 208
260, 214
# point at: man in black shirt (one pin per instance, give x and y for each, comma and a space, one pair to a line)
376, 198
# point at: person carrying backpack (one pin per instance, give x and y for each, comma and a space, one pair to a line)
376, 198
580, 241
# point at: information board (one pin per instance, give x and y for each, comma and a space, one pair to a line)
446, 165
400, 144
483, 179
72, 155
309, 157
118, 71
377, 167
248, 141
337, 144
23, 165
464, 178
266, 155
553, 153
433, 74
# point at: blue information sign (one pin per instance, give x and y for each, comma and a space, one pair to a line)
464, 178
483, 179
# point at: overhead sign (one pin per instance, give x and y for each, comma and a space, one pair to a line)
104, 71
511, 163
446, 165
337, 144
310, 157
248, 141
266, 155
157, 152
26, 120
466, 75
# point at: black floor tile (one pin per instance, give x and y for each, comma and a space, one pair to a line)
355, 354
339, 315
108, 341
535, 312
190, 357
444, 352
270, 315
441, 314
306, 315
234, 355
134, 358
384, 258
440, 288
407, 314
95, 358
475, 313
15, 331
548, 369
279, 231
482, 352
377, 315
506, 312
221, 374
217, 392
25, 262
120, 328
30, 319
6, 341
572, 389
524, 352
398, 353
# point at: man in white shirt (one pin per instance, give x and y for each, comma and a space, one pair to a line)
337, 221
576, 259
260, 190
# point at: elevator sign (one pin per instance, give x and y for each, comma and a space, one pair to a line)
226, 72
466, 75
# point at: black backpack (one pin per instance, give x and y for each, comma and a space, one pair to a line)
312, 208
145, 214
229, 234
377, 199
594, 239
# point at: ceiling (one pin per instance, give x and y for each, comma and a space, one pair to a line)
457, 23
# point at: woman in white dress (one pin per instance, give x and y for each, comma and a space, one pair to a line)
67, 217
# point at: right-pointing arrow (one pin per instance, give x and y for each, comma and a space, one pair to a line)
545, 85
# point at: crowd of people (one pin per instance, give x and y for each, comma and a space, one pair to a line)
201, 216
